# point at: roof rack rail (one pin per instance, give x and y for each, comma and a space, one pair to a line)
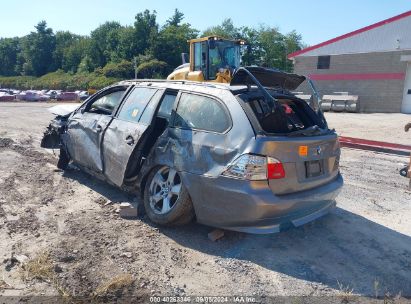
204, 84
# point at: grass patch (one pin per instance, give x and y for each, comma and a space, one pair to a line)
4, 285
346, 293
114, 285
41, 268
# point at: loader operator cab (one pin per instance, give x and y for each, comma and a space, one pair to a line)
215, 55
212, 59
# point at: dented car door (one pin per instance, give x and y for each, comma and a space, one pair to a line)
198, 135
123, 138
85, 128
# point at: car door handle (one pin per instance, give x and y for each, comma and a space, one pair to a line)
129, 140
99, 128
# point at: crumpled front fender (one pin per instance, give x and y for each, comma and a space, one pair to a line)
52, 136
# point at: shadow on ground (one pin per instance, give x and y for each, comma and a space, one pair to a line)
339, 250
110, 192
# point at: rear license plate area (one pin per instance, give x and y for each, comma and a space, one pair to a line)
314, 168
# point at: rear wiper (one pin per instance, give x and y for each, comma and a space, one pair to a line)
313, 130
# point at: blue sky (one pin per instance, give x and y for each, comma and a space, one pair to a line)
316, 20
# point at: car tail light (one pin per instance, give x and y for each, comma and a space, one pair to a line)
275, 169
255, 167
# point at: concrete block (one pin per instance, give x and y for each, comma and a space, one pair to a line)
128, 211
215, 235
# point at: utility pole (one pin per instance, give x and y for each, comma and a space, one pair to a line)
135, 67
286, 57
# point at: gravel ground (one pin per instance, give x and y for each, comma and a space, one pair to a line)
67, 223
378, 126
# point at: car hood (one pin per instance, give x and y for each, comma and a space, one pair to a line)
271, 78
64, 110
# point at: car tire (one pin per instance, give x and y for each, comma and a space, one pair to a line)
64, 160
166, 200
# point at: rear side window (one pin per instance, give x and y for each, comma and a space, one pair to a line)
201, 112
167, 105
135, 104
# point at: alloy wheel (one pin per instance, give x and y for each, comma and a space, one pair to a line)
164, 190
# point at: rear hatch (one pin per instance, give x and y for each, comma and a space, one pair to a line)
308, 162
270, 78
287, 129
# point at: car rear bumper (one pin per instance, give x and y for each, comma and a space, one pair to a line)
252, 207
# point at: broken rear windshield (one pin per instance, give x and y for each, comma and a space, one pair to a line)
295, 114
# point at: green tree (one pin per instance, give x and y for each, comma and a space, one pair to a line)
122, 69
64, 40
75, 53
85, 65
172, 41
144, 58
176, 19
108, 53
293, 43
127, 45
103, 43
272, 47
145, 30
252, 54
226, 30
38, 48
18, 69
9, 49
152, 69
275, 47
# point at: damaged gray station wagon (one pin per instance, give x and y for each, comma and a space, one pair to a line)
247, 156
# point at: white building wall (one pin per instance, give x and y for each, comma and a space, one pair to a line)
388, 37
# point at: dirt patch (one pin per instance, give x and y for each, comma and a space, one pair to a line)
26, 223
27, 182
111, 256
6, 142
2, 213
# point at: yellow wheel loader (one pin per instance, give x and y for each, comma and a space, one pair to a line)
212, 59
